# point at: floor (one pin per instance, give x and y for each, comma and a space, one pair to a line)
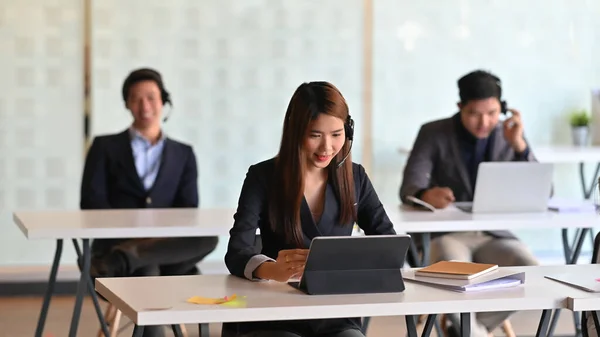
18, 318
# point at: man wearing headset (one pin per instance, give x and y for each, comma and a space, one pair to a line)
442, 168
143, 168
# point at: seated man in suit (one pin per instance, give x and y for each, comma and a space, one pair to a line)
442, 168
143, 168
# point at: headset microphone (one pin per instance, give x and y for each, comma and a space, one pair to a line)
166, 118
349, 130
346, 156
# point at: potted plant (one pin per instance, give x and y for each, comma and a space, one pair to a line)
580, 127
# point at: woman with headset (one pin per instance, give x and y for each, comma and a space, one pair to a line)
311, 188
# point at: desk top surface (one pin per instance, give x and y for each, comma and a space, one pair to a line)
162, 300
124, 223
409, 219
146, 223
585, 301
567, 153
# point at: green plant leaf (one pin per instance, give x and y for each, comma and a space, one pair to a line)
580, 118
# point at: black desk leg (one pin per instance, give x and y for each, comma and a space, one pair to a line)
465, 324
596, 321
424, 261
92, 291
81, 288
138, 331
203, 330
572, 255
411, 326
429, 325
50, 289
426, 238
542, 329
177, 330
587, 192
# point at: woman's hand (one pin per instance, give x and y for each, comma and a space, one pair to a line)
289, 264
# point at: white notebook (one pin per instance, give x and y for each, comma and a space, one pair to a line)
497, 279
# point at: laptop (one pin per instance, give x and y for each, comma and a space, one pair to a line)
511, 187
354, 265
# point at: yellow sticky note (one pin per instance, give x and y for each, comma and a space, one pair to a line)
207, 300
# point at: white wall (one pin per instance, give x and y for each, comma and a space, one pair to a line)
545, 52
41, 118
232, 65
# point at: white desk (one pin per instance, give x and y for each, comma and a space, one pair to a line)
587, 302
567, 154
411, 220
408, 219
119, 223
103, 224
138, 299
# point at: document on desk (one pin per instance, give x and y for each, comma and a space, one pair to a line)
497, 279
419, 204
583, 282
570, 206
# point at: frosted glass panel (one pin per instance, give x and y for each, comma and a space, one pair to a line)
41, 118
231, 67
545, 52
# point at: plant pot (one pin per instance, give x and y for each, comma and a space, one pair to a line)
581, 135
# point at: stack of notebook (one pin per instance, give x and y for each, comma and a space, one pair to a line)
456, 270
465, 276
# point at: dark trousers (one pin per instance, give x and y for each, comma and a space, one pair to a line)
155, 257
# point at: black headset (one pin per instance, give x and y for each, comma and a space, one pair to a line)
144, 74
503, 104
503, 107
349, 130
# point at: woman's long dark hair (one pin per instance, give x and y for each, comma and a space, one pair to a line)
287, 191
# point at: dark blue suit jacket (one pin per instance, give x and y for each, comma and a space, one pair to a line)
110, 179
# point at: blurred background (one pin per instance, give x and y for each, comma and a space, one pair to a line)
231, 67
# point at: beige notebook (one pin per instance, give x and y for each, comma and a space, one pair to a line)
456, 270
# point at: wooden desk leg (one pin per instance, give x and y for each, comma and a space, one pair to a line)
138, 331
50, 289
508, 329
